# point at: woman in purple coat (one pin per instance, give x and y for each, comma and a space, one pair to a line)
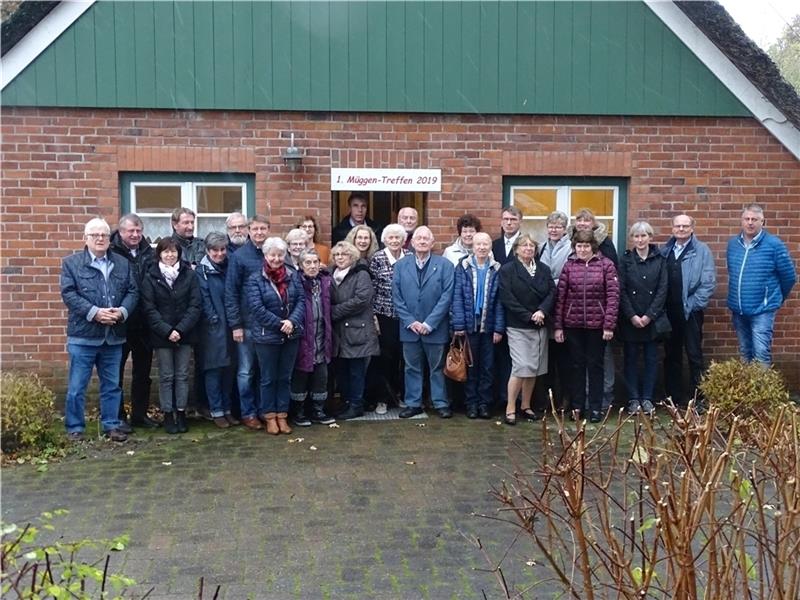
586, 315
316, 345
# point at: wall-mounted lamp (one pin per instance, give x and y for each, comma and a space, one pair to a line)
292, 156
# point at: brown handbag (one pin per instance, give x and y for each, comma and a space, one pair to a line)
459, 357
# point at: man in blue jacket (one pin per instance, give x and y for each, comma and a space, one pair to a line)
422, 289
247, 260
691, 279
760, 277
100, 292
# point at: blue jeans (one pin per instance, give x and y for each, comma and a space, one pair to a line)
351, 375
276, 362
245, 376
755, 336
416, 354
82, 360
478, 387
640, 388
219, 385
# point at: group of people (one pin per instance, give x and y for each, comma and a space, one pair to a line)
266, 317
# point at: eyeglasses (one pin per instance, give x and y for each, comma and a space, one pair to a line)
237, 226
98, 236
555, 227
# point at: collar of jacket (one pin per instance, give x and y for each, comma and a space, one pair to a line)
466, 263
756, 240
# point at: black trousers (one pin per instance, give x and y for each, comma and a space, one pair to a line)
556, 379
586, 349
385, 372
687, 335
138, 347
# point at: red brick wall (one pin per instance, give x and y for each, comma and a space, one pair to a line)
60, 167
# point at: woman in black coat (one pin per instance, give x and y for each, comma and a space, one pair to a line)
172, 305
643, 291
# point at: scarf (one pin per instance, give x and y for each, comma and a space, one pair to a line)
480, 287
279, 278
170, 273
340, 274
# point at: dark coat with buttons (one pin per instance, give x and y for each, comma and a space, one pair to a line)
353, 320
642, 291
166, 308
523, 295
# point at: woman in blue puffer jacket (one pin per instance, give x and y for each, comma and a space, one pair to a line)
277, 310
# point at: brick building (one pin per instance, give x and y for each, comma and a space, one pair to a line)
639, 110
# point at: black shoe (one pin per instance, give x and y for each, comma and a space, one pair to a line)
472, 413
116, 435
125, 428
596, 416
444, 412
146, 423
170, 426
510, 418
532, 415
351, 413
319, 416
484, 412
180, 422
410, 411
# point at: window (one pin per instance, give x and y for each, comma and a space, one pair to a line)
153, 196
537, 197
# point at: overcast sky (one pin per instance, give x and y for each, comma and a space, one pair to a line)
762, 20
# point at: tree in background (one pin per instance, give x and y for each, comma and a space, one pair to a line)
785, 53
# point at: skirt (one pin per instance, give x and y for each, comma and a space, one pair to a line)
528, 349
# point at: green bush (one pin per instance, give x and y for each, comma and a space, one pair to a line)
743, 389
27, 412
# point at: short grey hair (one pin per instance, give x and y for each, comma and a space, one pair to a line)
393, 228
641, 227
347, 248
756, 208
296, 234
274, 243
131, 218
216, 240
307, 253
235, 215
96, 223
558, 217
691, 218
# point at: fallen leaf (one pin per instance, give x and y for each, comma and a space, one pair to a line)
498, 422
295, 440
130, 452
422, 424
410, 462
312, 447
167, 463
334, 426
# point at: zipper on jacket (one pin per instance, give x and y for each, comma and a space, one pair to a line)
741, 272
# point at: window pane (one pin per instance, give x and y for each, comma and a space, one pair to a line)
205, 225
219, 198
156, 228
157, 198
600, 202
537, 228
534, 201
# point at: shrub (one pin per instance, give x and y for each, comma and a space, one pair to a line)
27, 412
743, 389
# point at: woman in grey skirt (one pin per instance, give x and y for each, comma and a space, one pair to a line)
527, 293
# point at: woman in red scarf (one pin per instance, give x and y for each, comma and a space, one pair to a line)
277, 310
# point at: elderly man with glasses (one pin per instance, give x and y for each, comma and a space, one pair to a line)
100, 292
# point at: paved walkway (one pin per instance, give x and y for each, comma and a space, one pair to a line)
377, 510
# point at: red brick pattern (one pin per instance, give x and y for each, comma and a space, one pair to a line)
61, 167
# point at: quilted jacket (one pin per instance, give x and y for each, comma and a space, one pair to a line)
463, 307
267, 310
588, 294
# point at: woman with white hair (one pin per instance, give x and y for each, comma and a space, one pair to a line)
277, 311
385, 378
296, 242
642, 297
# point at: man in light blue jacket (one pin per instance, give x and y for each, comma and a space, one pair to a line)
760, 277
422, 290
691, 280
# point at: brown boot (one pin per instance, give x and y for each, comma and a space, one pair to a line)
283, 426
271, 424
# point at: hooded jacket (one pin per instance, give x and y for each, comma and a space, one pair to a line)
642, 291
588, 294
605, 245
351, 311
463, 306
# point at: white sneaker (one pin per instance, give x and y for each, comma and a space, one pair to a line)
381, 408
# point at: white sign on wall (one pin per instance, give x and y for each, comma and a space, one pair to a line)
387, 180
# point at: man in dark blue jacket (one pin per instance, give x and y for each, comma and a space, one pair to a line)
129, 242
760, 277
100, 293
248, 259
